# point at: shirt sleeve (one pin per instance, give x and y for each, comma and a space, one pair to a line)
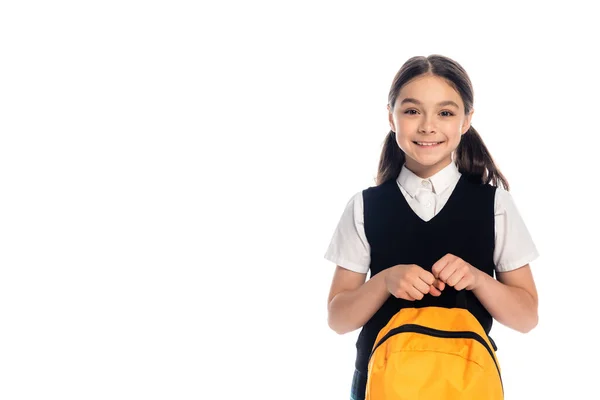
514, 244
349, 247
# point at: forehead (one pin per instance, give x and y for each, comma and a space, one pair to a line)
429, 90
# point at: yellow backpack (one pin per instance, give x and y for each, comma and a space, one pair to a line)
433, 353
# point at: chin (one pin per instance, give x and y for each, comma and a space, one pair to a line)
429, 161
426, 162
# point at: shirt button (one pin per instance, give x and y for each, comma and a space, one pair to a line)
425, 183
428, 205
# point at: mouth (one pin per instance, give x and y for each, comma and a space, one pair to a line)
428, 144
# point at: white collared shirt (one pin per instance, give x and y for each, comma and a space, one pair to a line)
514, 246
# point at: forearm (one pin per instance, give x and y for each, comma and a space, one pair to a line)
350, 310
511, 306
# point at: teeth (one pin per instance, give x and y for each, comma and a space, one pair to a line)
427, 144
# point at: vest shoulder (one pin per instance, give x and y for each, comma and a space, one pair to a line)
380, 190
480, 186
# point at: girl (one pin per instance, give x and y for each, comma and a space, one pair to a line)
436, 222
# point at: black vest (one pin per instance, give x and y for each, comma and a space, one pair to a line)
463, 227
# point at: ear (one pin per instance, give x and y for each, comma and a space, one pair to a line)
467, 123
391, 119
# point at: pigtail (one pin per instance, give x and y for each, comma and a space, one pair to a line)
475, 161
391, 160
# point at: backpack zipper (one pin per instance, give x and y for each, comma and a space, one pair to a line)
425, 330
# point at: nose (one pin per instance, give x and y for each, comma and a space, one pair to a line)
427, 125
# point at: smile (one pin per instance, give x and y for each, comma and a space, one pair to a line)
428, 144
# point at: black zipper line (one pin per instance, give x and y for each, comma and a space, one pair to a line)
425, 330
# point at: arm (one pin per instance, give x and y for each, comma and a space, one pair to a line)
352, 301
512, 300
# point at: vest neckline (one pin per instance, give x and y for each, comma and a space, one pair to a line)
451, 200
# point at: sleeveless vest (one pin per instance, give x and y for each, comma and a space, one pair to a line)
463, 227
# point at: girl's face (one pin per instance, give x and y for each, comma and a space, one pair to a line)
429, 120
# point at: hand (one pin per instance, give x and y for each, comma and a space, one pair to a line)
456, 272
411, 282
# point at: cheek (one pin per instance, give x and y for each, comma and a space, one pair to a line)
451, 128
407, 126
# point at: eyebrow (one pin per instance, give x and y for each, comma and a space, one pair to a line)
441, 104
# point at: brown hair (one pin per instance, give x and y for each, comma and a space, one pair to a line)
472, 156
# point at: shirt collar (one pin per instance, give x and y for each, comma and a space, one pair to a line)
439, 182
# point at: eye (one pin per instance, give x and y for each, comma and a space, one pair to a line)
410, 111
446, 114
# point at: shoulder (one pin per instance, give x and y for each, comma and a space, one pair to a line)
474, 183
354, 206
504, 201
382, 190
478, 195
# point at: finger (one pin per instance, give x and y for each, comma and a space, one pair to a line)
440, 285
407, 296
462, 284
434, 291
450, 269
427, 277
439, 265
402, 294
456, 276
415, 293
422, 285
446, 273
437, 268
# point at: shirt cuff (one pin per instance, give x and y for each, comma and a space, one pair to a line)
352, 266
511, 266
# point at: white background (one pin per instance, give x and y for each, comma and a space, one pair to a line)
171, 174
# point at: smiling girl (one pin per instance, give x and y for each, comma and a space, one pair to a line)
436, 223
